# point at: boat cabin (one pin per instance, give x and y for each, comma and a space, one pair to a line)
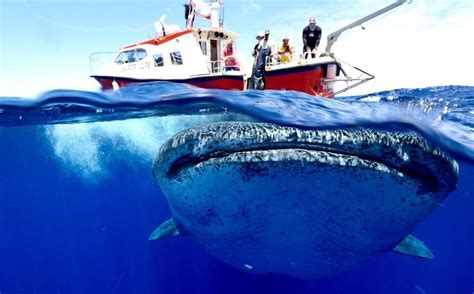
212, 41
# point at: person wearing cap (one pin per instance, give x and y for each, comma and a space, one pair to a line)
265, 51
259, 38
267, 44
311, 37
286, 50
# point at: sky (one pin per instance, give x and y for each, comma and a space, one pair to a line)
45, 44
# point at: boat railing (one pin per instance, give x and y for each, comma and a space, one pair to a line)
98, 60
218, 66
270, 61
296, 59
352, 76
215, 66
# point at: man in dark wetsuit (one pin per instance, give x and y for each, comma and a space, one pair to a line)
311, 37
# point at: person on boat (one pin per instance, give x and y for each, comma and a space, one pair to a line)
267, 45
265, 51
286, 51
311, 37
229, 56
259, 38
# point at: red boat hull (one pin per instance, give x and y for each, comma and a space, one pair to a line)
208, 82
306, 78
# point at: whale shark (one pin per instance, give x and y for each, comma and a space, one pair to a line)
307, 203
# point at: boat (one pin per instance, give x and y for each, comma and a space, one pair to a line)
195, 56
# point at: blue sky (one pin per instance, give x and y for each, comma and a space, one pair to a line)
45, 44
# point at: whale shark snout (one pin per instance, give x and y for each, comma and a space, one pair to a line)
307, 203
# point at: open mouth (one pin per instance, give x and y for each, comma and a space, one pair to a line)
406, 153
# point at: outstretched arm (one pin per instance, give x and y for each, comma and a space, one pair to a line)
320, 32
305, 41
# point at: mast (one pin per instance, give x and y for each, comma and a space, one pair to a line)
221, 13
332, 38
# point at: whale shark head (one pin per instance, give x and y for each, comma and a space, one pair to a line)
307, 203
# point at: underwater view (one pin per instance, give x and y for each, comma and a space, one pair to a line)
83, 186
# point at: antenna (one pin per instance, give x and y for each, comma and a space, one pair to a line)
161, 20
221, 14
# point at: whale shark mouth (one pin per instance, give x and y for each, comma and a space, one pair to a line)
405, 153
321, 200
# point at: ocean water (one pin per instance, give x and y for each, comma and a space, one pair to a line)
78, 199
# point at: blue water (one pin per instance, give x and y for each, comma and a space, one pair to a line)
78, 200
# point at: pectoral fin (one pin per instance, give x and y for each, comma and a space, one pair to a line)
166, 229
410, 245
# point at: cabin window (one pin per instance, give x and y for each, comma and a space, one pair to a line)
130, 56
203, 45
176, 58
158, 60
122, 58
140, 54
